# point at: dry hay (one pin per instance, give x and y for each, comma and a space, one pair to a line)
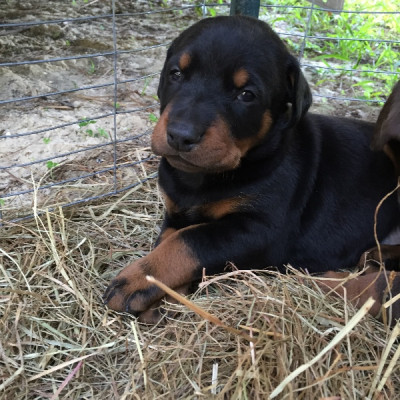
59, 341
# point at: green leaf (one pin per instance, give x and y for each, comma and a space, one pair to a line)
153, 117
102, 132
86, 123
51, 164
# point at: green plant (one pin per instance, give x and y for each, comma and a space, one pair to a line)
46, 140
51, 164
146, 84
153, 117
369, 89
92, 67
102, 132
86, 122
212, 11
99, 132
75, 3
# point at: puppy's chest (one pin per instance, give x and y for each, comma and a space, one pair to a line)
202, 210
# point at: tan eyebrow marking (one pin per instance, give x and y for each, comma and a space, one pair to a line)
240, 77
184, 61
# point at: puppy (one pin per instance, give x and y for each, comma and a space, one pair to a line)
248, 175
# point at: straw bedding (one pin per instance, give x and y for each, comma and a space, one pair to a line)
266, 335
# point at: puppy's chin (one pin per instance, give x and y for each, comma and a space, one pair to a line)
203, 159
183, 165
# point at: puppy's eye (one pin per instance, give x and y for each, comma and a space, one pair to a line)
246, 96
175, 74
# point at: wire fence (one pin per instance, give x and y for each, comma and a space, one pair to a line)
78, 99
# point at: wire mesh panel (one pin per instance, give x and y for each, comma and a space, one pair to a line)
79, 85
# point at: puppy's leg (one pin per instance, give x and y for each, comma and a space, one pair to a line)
179, 259
378, 285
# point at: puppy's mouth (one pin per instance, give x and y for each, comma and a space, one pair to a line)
179, 162
188, 162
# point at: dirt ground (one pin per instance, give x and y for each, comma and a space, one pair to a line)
139, 35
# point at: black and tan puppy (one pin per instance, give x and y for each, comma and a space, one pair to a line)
248, 175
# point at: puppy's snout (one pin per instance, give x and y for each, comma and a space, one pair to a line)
183, 136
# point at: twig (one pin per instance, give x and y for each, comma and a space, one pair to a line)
198, 310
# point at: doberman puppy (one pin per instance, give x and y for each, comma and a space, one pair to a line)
248, 175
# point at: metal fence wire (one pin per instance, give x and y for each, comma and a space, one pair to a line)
79, 80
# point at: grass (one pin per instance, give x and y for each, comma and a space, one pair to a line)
361, 57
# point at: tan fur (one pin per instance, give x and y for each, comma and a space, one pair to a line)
246, 144
172, 262
223, 207
184, 61
240, 78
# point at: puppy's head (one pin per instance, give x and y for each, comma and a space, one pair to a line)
224, 84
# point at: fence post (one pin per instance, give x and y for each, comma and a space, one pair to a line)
245, 7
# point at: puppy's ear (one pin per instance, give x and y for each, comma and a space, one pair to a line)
299, 93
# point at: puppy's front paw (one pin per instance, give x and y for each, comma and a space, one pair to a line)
130, 291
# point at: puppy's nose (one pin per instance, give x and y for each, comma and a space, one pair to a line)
183, 136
